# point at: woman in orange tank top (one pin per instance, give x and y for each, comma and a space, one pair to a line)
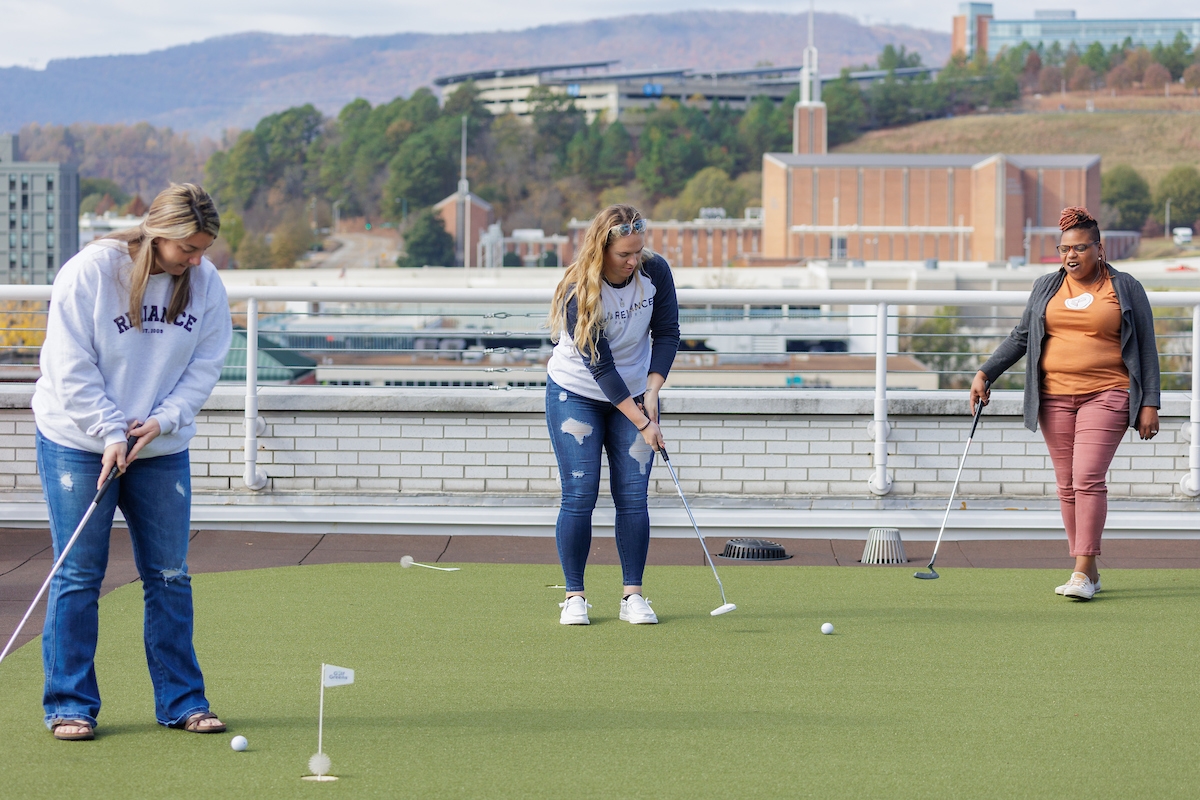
1092, 373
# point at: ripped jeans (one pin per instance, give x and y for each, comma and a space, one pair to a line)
580, 428
154, 494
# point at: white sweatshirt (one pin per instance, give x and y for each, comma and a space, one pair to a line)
99, 373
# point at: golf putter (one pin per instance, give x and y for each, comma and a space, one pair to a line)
112, 475
725, 606
932, 574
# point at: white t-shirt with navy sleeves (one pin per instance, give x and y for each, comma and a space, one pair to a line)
639, 335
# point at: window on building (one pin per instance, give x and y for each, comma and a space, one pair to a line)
12, 201
49, 221
24, 202
24, 260
50, 261
24, 222
12, 260
49, 183
12, 183
24, 240
49, 201
12, 241
24, 183
49, 240
12, 221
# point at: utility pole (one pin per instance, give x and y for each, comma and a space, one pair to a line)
461, 239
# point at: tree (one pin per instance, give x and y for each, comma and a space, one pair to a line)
427, 243
1155, 77
1128, 193
1083, 78
253, 253
1050, 79
1095, 58
891, 58
1191, 76
1182, 186
846, 111
1119, 77
1175, 56
424, 170
291, 239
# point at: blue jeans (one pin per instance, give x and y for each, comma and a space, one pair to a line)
580, 428
154, 494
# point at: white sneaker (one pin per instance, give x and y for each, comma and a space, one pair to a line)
1063, 589
1080, 587
636, 609
574, 611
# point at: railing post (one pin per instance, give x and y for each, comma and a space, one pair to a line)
254, 477
880, 483
1189, 484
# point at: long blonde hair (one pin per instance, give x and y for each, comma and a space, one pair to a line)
177, 213
583, 278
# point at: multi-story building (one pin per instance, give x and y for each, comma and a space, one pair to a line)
1062, 27
970, 32
595, 90
42, 227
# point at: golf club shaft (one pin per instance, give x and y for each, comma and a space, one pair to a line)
695, 527
429, 566
953, 489
112, 474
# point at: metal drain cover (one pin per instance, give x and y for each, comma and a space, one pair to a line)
754, 550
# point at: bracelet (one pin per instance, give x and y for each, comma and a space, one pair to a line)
647, 425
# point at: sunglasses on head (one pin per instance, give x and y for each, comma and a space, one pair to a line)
626, 228
1078, 248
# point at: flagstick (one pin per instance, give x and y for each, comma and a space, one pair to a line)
321, 717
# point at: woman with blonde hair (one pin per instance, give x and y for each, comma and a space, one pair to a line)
1091, 374
137, 334
616, 322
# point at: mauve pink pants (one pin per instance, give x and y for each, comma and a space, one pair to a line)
1082, 433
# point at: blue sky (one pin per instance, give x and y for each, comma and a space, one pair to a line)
34, 31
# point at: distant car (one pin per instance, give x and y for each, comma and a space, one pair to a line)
1181, 236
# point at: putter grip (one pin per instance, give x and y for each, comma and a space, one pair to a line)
979, 410
112, 475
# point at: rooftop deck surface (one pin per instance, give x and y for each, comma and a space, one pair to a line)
26, 556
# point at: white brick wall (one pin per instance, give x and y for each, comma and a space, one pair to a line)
486, 443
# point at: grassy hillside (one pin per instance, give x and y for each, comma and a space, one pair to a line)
1150, 142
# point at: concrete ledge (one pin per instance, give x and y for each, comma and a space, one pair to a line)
915, 524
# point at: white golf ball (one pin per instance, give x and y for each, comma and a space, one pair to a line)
239, 743
827, 628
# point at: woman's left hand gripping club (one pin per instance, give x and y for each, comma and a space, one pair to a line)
119, 455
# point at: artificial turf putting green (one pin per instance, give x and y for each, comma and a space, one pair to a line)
981, 684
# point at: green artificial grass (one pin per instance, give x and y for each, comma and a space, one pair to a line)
980, 684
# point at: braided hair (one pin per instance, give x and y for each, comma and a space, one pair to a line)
1078, 218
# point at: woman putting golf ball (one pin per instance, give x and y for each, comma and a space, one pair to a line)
1091, 374
136, 337
615, 319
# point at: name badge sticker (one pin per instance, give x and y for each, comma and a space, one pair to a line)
1079, 303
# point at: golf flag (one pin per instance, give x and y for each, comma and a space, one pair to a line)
336, 676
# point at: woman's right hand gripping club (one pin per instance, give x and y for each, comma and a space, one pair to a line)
981, 390
120, 455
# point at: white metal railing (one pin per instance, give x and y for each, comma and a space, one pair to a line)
882, 300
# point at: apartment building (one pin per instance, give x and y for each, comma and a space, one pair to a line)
42, 226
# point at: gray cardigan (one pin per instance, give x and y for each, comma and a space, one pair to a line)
1138, 349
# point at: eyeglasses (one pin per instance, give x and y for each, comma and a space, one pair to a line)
1078, 248
626, 228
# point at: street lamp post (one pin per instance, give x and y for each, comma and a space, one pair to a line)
1167, 231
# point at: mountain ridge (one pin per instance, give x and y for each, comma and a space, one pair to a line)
233, 80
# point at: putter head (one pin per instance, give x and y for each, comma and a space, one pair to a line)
725, 609
406, 561
927, 576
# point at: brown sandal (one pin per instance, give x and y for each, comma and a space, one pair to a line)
85, 732
193, 724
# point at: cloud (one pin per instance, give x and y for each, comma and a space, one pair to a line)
36, 31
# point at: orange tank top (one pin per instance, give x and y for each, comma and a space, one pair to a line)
1082, 352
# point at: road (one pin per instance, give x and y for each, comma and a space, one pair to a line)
358, 251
